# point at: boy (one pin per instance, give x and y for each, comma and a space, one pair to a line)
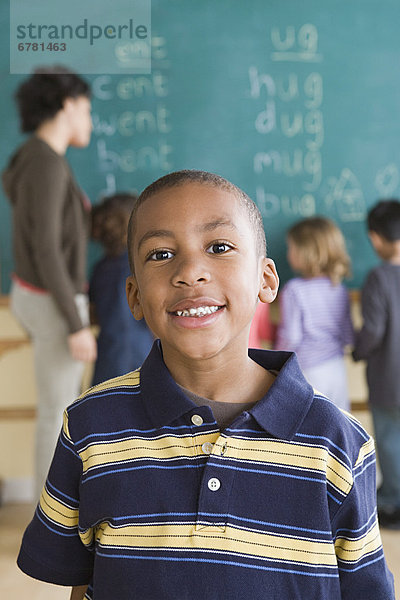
379, 343
209, 473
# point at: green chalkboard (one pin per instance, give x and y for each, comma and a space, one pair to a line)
296, 102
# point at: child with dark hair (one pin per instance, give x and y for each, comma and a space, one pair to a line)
378, 343
50, 234
212, 471
123, 343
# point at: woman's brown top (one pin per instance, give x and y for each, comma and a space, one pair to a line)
50, 230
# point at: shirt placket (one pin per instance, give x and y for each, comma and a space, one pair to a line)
215, 483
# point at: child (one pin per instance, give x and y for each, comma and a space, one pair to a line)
315, 308
123, 343
211, 472
379, 343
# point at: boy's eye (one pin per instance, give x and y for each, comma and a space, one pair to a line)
160, 255
218, 248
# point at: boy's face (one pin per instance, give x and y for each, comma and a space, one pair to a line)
197, 273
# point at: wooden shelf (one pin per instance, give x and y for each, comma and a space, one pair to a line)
21, 413
7, 345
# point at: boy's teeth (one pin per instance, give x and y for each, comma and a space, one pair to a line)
197, 312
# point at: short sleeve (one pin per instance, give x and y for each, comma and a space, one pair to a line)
52, 549
358, 545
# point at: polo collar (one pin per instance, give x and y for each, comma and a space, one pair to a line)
283, 408
280, 412
164, 400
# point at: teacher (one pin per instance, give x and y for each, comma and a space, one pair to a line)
50, 232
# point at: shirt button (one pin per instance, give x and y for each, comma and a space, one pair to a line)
207, 447
197, 420
214, 484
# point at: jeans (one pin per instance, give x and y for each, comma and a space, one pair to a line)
387, 437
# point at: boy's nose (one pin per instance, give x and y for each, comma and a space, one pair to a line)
190, 273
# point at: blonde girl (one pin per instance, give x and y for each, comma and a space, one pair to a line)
315, 307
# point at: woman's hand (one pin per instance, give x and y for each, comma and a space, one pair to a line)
82, 345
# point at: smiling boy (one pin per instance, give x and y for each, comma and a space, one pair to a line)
211, 472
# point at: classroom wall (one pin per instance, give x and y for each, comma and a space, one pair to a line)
295, 102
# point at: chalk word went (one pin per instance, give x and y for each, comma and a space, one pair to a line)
129, 123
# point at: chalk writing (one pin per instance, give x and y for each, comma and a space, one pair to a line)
128, 160
347, 196
271, 205
296, 48
146, 122
154, 85
300, 125
110, 187
313, 90
387, 180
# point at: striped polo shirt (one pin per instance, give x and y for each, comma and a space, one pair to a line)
147, 499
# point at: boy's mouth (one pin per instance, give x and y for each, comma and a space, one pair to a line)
199, 311
191, 312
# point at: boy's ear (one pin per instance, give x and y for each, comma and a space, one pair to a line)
269, 281
133, 297
376, 239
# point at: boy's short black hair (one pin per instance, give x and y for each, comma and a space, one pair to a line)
178, 178
384, 219
41, 96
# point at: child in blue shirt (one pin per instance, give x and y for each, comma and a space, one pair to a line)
213, 471
123, 343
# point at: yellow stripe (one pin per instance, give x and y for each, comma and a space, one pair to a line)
58, 512
232, 540
290, 455
128, 380
65, 425
267, 452
365, 450
354, 550
163, 448
86, 536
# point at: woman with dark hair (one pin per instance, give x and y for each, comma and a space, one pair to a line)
50, 230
